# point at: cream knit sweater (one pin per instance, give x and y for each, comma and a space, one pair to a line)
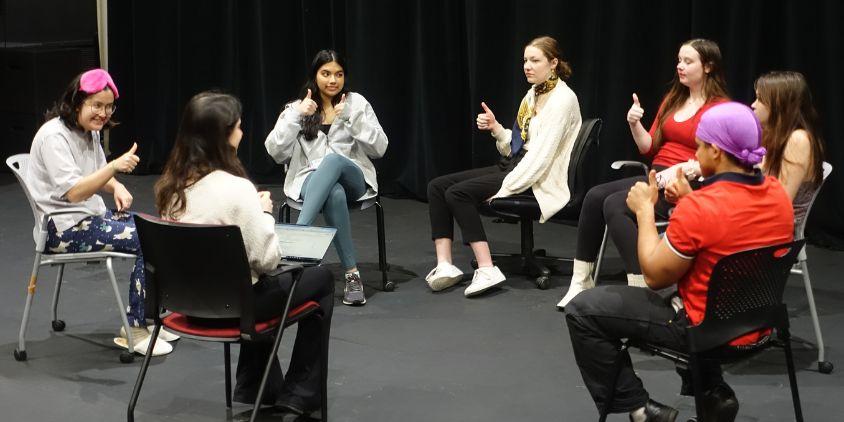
544, 168
222, 198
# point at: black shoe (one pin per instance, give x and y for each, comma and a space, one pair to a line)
658, 412
720, 404
295, 404
249, 398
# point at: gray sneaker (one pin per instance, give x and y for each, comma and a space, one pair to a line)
353, 293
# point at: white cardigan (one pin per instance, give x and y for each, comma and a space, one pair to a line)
544, 167
222, 198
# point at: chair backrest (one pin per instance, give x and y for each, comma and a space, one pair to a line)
745, 295
18, 163
800, 224
583, 173
196, 270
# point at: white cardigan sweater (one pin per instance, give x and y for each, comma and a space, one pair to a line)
222, 198
544, 167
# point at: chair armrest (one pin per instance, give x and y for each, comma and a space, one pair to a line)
618, 165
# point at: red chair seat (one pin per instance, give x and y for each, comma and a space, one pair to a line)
180, 323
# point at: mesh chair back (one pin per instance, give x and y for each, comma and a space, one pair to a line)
800, 224
745, 295
18, 163
196, 270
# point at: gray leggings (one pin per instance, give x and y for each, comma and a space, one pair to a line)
330, 188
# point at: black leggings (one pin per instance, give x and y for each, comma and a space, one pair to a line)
606, 204
303, 375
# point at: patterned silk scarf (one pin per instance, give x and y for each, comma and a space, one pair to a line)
528, 103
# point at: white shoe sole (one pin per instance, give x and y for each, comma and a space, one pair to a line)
442, 283
161, 347
164, 334
481, 290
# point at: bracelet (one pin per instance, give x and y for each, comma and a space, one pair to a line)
269, 213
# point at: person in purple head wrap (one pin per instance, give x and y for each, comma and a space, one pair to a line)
737, 208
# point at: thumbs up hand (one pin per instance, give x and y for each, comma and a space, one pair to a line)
486, 120
636, 111
643, 196
339, 107
307, 106
678, 188
127, 162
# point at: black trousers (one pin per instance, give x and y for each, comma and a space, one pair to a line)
599, 318
606, 204
303, 374
456, 196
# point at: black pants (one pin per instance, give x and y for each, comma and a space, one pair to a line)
598, 318
606, 204
456, 196
303, 374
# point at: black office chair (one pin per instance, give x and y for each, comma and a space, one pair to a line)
202, 271
745, 295
524, 210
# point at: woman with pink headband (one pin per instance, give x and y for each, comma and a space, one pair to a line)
67, 168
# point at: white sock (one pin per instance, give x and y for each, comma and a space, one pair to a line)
636, 280
638, 415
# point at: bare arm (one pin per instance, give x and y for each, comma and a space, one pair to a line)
796, 161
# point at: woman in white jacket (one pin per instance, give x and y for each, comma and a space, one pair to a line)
536, 157
328, 138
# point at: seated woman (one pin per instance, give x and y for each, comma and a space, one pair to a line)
204, 182
328, 143
791, 135
536, 159
67, 167
698, 85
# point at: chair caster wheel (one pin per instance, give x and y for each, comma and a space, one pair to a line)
389, 286
542, 282
540, 252
20, 356
58, 325
825, 367
127, 357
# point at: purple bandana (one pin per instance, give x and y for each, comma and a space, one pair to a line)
96, 80
735, 129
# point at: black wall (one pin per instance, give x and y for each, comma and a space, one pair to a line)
425, 65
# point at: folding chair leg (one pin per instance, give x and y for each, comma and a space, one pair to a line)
326, 331
386, 284
228, 365
129, 355
20, 352
284, 213
822, 363
57, 324
600, 259
785, 336
136, 391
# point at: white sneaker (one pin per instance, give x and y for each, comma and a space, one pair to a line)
484, 279
581, 279
443, 276
164, 334
141, 338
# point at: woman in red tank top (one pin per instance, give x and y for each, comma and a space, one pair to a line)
698, 84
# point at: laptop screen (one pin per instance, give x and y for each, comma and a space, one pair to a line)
303, 242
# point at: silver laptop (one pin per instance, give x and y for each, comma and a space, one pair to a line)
304, 245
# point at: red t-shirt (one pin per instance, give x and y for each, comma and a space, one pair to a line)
678, 138
731, 213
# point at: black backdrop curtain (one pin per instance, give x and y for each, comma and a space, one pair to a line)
425, 65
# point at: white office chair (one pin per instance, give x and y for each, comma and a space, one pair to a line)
802, 268
43, 257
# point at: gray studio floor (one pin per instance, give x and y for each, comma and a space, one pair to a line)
410, 355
